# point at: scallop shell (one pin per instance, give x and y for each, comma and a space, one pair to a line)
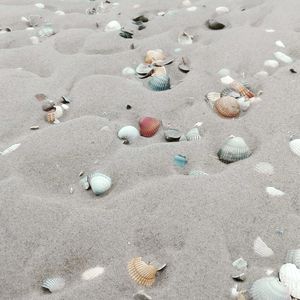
274, 192
269, 288
172, 135
154, 55
128, 133
289, 275
227, 107
193, 134
141, 272
159, 83
295, 146
293, 257
54, 284
264, 168
112, 26
234, 149
99, 183
240, 88
261, 248
185, 39
212, 97
92, 273
148, 126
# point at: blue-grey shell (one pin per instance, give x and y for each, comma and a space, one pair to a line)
159, 83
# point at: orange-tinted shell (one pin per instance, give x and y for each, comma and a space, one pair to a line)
141, 272
154, 55
50, 117
227, 107
242, 90
158, 71
148, 126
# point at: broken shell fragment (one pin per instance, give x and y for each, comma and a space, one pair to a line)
46, 31
53, 284
293, 257
99, 183
295, 146
274, 192
128, 133
184, 65
92, 273
148, 126
128, 71
172, 135
185, 39
159, 83
222, 10
47, 105
227, 107
193, 134
84, 181
242, 89
289, 275
272, 63
214, 25
141, 295
240, 264
59, 111
283, 57
212, 97
261, 248
126, 34
50, 116
239, 277
112, 26
230, 92
154, 55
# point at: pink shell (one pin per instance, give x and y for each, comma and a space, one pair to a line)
148, 126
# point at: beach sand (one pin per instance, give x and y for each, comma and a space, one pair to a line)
198, 225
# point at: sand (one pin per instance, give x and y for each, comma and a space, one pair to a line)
197, 225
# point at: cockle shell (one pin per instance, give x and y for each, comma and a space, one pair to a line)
269, 288
264, 168
240, 88
112, 26
289, 275
193, 134
154, 55
274, 192
54, 284
148, 126
227, 107
185, 39
128, 133
295, 146
92, 273
261, 248
159, 83
234, 149
212, 97
99, 183
141, 272
293, 257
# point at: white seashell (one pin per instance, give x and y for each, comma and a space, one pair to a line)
293, 257
99, 183
56, 121
10, 149
289, 275
46, 31
283, 57
112, 26
128, 71
261, 74
60, 13
234, 292
143, 69
128, 133
39, 5
185, 39
224, 72
92, 273
271, 63
269, 288
264, 168
212, 97
227, 80
261, 248
280, 44
295, 146
34, 40
161, 13
54, 284
269, 30
29, 28
240, 264
274, 192
222, 10
192, 8
193, 134
58, 111
244, 103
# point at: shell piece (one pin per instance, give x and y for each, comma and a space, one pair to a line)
154, 55
293, 257
243, 103
212, 97
84, 182
143, 69
264, 168
141, 272
159, 71
295, 146
289, 275
230, 92
159, 83
50, 117
112, 26
59, 111
180, 160
269, 288
240, 264
128, 133
280, 44
227, 80
227, 107
274, 192
222, 10
234, 149
39, 5
283, 57
46, 31
141, 295
92, 273
99, 183
261, 248
47, 105
10, 149
272, 63
184, 65
240, 88
214, 25
126, 34
172, 135
127, 71
197, 173
185, 39
148, 126
193, 134
54, 284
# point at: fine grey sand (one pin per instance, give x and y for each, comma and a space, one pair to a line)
198, 225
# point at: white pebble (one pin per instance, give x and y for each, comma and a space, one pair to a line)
192, 8
271, 63
227, 80
280, 44
283, 57
112, 26
274, 192
29, 28
269, 30
60, 13
222, 10
40, 5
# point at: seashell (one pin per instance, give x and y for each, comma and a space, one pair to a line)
112, 26
128, 71
261, 248
240, 88
141, 272
154, 55
65, 107
214, 25
53, 284
141, 18
143, 69
185, 39
289, 275
243, 103
227, 80
264, 168
39, 5
186, 3
99, 183
272, 63
172, 135
180, 160
280, 44
34, 20
148, 126
230, 92
10, 149
274, 192
261, 74
59, 111
159, 71
192, 8
222, 10
60, 13
84, 182
126, 34
240, 264
295, 146
47, 105
92, 273
184, 65
46, 31
283, 57
212, 97
293, 257
128, 133
239, 277
227, 107
224, 72
161, 63
193, 134
234, 149
50, 117
159, 83
269, 288
35, 127
141, 295
65, 100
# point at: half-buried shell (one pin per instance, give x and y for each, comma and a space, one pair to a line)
99, 183
159, 83
289, 275
172, 135
148, 126
295, 146
128, 133
214, 25
227, 107
53, 284
293, 257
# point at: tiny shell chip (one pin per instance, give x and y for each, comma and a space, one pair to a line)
99, 183
128, 133
227, 80
159, 83
261, 248
141, 295
92, 273
180, 160
283, 57
34, 40
227, 107
192, 8
65, 106
222, 10
185, 39
53, 284
272, 63
126, 34
184, 65
293, 257
148, 126
274, 192
58, 111
240, 264
264, 168
60, 13
280, 44
172, 135
112, 26
141, 18
239, 277
295, 146
214, 25
128, 71
154, 55
84, 182
289, 275
197, 173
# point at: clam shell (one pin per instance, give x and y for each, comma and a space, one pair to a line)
54, 284
269, 288
99, 183
274, 192
128, 133
92, 273
289, 275
234, 149
227, 107
193, 134
180, 160
185, 39
212, 97
172, 135
240, 88
295, 146
184, 65
141, 295
159, 83
112, 26
141, 272
154, 55
261, 248
264, 168
148, 126
214, 25
293, 257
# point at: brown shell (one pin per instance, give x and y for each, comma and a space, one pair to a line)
50, 117
238, 87
154, 55
141, 272
227, 107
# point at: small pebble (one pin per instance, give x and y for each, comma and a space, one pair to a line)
128, 106
192, 8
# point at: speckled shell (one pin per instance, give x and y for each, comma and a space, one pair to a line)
141, 272
154, 55
293, 257
54, 284
289, 275
227, 107
99, 183
240, 88
159, 83
148, 126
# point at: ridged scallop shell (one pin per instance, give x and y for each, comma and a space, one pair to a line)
141, 272
240, 88
212, 97
193, 134
293, 257
154, 55
234, 149
261, 248
269, 288
227, 107
92, 273
50, 117
274, 192
148, 126
99, 183
112, 26
159, 83
54, 284
264, 168
128, 133
244, 103
185, 39
289, 275
295, 146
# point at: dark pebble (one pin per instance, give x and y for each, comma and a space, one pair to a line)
214, 25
